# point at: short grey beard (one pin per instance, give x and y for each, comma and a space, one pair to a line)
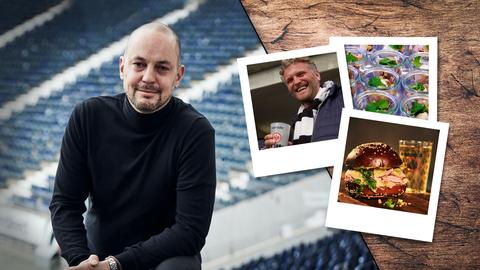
148, 111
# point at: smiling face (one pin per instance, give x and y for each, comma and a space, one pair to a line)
150, 68
302, 81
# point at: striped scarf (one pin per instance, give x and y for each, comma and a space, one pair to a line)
305, 119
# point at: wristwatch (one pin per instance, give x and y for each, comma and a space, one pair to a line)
112, 263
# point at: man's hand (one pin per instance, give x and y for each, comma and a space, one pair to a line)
270, 141
91, 263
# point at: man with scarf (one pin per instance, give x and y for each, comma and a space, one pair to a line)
318, 117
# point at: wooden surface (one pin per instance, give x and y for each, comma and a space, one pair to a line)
291, 24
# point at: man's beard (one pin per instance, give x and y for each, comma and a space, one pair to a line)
148, 106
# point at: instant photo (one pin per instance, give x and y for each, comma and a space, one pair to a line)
396, 76
293, 103
387, 175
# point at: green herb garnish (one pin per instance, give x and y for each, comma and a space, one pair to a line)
418, 108
416, 61
351, 58
360, 187
380, 106
417, 86
388, 62
359, 190
367, 175
372, 184
389, 203
376, 82
396, 47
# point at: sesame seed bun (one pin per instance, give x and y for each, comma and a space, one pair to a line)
373, 155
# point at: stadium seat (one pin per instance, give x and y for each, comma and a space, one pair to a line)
342, 251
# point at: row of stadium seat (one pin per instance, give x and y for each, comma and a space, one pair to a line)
207, 40
14, 13
70, 37
342, 251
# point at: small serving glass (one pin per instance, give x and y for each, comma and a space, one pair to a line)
419, 61
356, 56
376, 101
353, 79
415, 82
390, 59
415, 106
404, 49
382, 79
418, 48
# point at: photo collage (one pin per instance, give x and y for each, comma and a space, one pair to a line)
239, 135
366, 106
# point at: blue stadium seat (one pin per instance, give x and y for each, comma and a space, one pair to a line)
14, 13
343, 251
70, 37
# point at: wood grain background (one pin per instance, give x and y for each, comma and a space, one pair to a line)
287, 25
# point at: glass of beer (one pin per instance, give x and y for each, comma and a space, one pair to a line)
416, 156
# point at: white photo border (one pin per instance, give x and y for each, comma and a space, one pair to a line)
384, 221
432, 42
293, 158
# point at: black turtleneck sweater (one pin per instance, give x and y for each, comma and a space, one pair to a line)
150, 180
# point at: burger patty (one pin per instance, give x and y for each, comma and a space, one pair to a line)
375, 183
380, 192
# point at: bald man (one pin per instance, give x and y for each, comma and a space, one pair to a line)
146, 162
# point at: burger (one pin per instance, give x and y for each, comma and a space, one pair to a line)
373, 171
